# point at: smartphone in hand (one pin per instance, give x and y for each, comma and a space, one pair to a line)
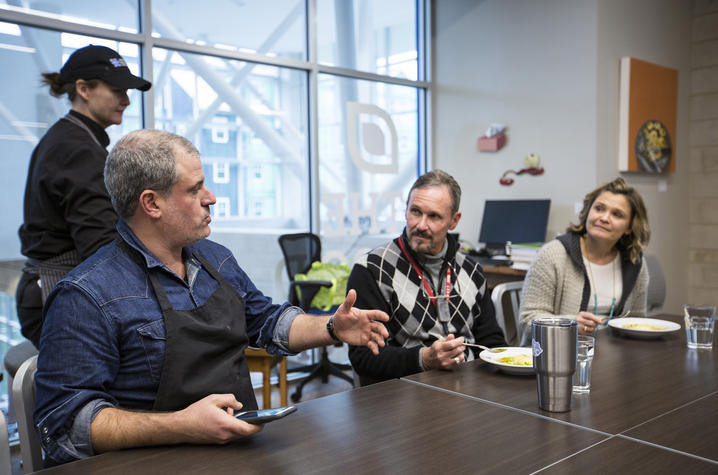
265, 415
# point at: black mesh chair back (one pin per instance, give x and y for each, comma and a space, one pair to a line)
300, 250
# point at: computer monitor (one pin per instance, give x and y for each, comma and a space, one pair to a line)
518, 221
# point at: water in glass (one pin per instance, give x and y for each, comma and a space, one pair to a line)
700, 323
584, 357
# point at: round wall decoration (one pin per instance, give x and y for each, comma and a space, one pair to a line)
653, 147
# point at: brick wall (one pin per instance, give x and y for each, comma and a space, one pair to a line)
703, 213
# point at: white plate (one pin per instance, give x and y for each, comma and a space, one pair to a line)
494, 359
665, 327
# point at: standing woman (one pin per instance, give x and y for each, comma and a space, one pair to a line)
596, 270
67, 212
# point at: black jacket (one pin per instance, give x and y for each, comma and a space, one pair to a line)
66, 207
66, 204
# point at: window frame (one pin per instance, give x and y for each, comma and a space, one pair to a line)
145, 41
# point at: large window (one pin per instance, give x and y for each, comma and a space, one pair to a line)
309, 114
27, 109
276, 27
108, 14
368, 148
376, 36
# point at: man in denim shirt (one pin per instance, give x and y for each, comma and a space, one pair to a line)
143, 343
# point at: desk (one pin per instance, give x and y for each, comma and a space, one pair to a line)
496, 275
476, 419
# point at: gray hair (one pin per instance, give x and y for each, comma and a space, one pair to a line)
437, 178
143, 160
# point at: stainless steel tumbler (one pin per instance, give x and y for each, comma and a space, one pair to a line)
554, 350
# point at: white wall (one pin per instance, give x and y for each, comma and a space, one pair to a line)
527, 64
549, 70
658, 31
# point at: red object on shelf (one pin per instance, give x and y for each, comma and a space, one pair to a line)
492, 144
506, 180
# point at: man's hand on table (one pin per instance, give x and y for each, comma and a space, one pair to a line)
443, 354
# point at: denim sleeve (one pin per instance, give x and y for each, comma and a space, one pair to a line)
78, 359
281, 330
77, 441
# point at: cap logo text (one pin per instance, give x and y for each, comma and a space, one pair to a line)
118, 62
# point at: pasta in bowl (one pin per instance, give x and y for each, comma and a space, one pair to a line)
640, 327
512, 360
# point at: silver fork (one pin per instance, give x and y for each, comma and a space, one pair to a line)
625, 314
492, 350
474, 345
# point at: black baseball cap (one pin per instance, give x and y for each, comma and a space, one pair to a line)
100, 62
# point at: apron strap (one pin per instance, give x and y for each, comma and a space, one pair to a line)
135, 255
71, 118
211, 270
162, 298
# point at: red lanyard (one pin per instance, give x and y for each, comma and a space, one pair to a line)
432, 298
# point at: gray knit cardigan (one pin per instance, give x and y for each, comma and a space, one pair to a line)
557, 283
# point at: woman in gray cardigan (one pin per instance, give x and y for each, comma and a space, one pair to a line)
596, 270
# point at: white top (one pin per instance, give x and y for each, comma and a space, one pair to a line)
608, 284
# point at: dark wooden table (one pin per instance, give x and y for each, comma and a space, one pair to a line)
392, 427
653, 408
656, 391
623, 456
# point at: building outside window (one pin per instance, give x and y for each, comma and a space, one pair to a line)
220, 172
221, 208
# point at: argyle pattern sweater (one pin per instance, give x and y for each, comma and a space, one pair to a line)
386, 280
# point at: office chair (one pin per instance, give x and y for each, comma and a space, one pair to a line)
23, 396
300, 250
5, 460
511, 290
656, 292
14, 357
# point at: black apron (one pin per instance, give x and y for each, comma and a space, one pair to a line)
204, 346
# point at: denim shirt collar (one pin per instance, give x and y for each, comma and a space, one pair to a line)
192, 265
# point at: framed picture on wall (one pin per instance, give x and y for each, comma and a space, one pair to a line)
647, 117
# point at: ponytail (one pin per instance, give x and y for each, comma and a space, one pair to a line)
57, 88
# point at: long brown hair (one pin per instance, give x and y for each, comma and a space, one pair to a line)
637, 240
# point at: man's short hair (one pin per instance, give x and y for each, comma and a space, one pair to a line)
143, 160
437, 178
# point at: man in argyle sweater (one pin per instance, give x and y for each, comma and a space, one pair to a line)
436, 298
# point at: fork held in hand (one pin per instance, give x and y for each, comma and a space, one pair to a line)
473, 345
625, 314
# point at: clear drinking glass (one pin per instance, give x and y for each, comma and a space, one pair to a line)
584, 357
700, 322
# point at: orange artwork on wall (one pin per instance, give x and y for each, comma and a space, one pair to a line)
647, 117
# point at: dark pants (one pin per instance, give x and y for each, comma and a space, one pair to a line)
29, 307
